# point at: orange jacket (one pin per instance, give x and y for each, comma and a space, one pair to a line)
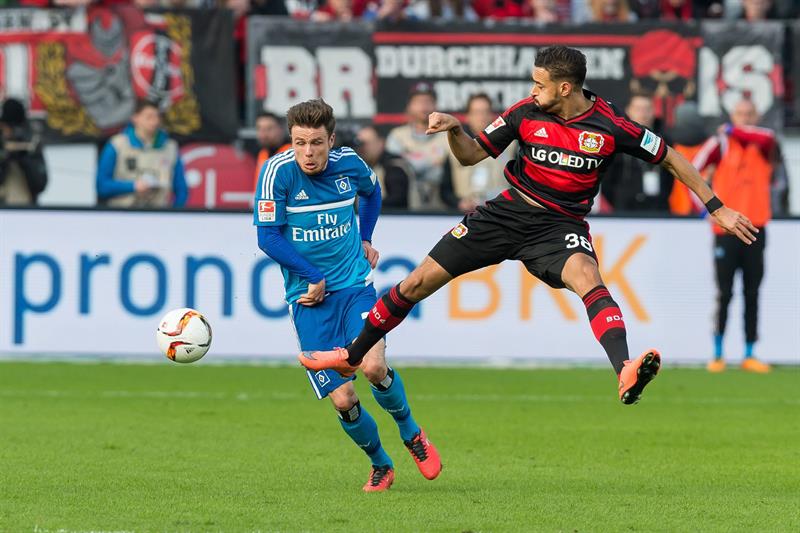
744, 171
263, 155
680, 199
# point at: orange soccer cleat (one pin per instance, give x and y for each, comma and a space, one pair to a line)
636, 374
751, 364
716, 366
380, 479
425, 455
335, 359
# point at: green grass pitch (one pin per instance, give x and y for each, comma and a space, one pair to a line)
162, 448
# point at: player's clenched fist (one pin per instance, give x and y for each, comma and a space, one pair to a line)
441, 122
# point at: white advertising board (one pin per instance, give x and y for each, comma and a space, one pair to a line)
95, 284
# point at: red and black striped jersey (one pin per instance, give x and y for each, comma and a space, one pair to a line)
560, 162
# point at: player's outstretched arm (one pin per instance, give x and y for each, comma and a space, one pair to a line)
465, 148
731, 221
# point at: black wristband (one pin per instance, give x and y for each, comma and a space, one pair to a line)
713, 204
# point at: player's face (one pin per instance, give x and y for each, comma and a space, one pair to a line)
311, 148
545, 91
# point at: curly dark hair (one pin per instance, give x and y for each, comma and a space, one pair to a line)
563, 63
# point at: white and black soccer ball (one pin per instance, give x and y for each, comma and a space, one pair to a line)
184, 335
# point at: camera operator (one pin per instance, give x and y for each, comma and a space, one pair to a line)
23, 173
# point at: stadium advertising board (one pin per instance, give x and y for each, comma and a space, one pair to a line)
714, 63
81, 71
96, 283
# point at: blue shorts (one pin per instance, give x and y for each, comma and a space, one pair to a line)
335, 322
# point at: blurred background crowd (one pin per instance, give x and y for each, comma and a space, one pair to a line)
144, 161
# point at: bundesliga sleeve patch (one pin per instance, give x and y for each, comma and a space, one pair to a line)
650, 142
498, 123
266, 210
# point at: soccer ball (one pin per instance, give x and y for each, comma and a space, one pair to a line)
184, 335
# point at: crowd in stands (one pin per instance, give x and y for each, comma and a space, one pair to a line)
544, 11
417, 171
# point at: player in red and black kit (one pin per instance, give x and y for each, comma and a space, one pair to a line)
567, 137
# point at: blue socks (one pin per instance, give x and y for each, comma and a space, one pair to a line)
748, 350
391, 395
361, 427
717, 347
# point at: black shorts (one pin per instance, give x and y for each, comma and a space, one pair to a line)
508, 227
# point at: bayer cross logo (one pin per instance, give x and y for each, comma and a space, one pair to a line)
343, 184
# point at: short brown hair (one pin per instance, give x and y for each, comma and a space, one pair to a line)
311, 114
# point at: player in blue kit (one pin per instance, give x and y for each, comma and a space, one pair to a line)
305, 217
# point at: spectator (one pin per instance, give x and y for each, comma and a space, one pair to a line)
390, 10
634, 185
441, 9
544, 11
271, 137
339, 10
431, 184
742, 158
498, 9
23, 173
755, 10
611, 11
540, 10
302, 9
687, 135
392, 170
140, 166
478, 183
677, 10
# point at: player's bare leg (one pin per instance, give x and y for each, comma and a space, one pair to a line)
582, 276
387, 314
360, 426
389, 392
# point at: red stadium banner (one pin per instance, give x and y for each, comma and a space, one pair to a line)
81, 71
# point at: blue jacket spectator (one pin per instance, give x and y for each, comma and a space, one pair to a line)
141, 166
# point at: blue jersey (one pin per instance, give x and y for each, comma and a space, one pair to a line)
317, 216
